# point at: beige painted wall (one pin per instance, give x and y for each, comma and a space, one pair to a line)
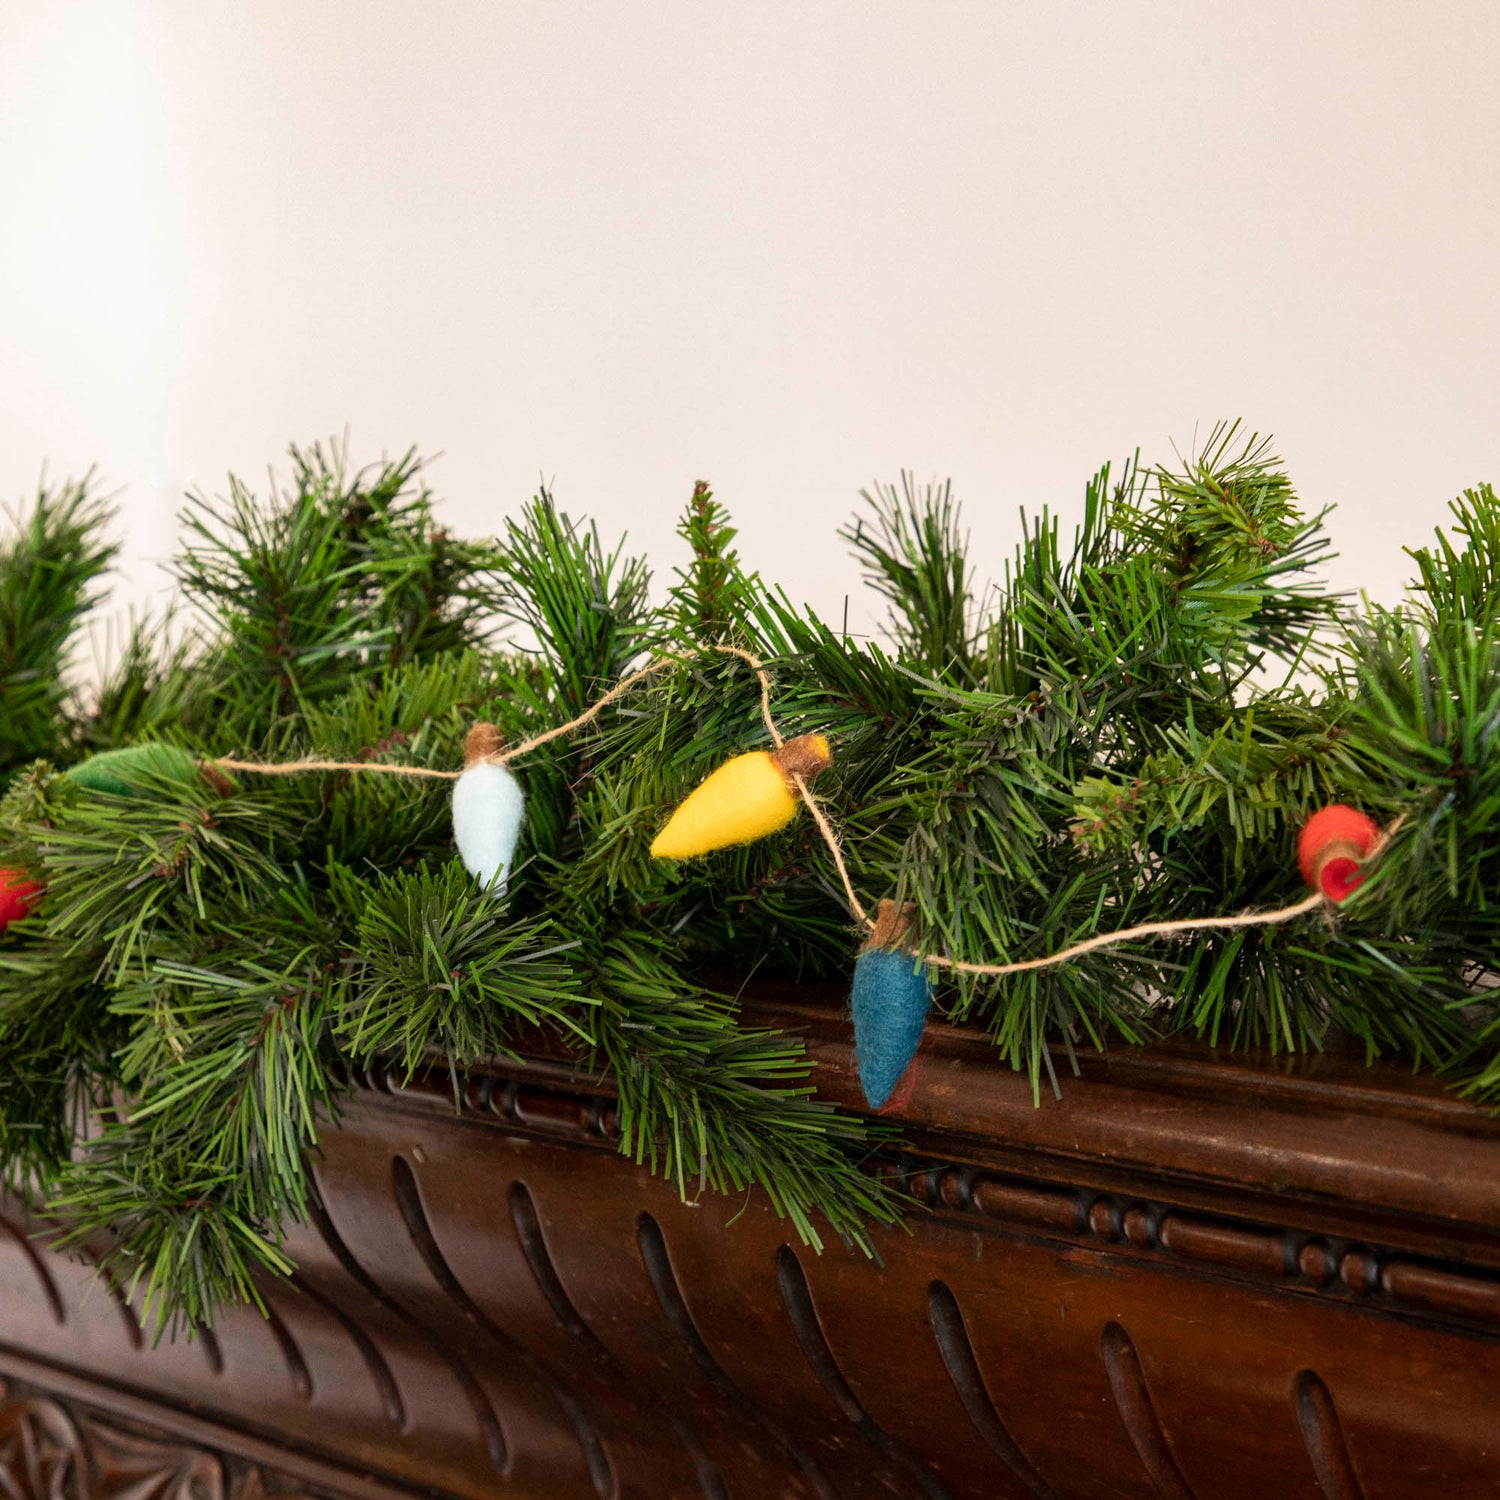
788, 247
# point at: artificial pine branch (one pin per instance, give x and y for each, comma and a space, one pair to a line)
711, 595
915, 556
49, 567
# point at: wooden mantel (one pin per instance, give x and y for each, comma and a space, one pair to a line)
1191, 1276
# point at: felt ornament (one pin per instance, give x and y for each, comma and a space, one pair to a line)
120, 772
1332, 848
18, 894
892, 995
744, 800
487, 809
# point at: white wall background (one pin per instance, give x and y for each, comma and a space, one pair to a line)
787, 247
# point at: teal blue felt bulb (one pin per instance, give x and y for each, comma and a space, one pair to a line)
892, 994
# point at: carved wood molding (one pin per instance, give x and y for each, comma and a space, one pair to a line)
55, 1449
1289, 1258
1295, 1258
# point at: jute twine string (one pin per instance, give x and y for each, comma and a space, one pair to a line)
1273, 918
515, 752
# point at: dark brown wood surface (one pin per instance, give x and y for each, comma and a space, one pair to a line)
1192, 1275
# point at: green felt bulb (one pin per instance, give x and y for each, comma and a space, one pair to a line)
120, 772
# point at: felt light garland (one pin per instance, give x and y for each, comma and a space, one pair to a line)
755, 798
747, 798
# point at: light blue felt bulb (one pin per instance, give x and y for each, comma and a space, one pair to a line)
892, 994
487, 810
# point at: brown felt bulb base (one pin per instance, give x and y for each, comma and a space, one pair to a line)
806, 756
215, 778
892, 927
483, 742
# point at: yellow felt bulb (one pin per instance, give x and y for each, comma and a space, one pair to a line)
744, 800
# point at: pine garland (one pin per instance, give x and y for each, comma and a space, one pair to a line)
1131, 728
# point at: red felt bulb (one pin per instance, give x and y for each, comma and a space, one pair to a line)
1332, 848
18, 894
